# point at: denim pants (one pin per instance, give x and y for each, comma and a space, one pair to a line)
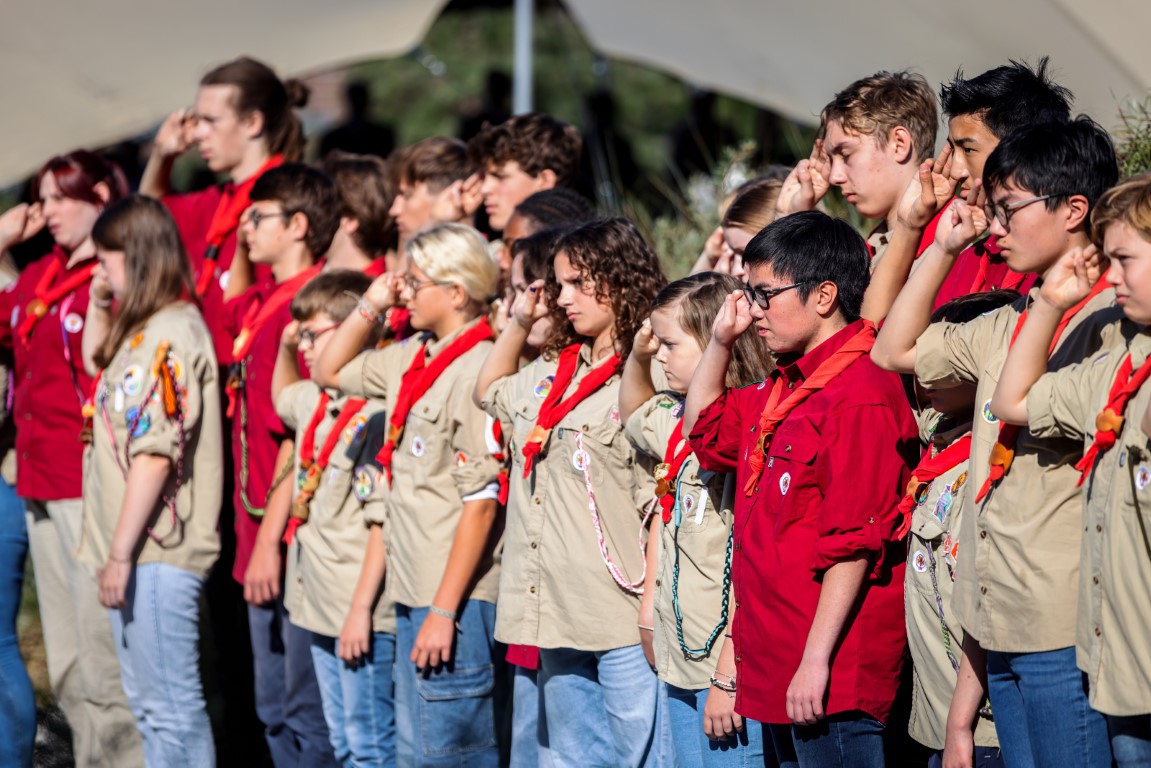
287, 694
601, 707
157, 635
1042, 716
17, 704
359, 703
529, 729
693, 749
844, 740
446, 716
1130, 740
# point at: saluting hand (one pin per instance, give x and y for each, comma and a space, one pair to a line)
530, 306
19, 223
964, 224
928, 192
807, 183
384, 292
733, 319
646, 343
175, 134
1071, 278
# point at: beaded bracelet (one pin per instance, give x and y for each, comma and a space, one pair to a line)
365, 309
441, 612
102, 303
725, 687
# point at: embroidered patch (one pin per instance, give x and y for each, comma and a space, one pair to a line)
543, 386
677, 411
133, 381
919, 561
136, 341
613, 414
951, 552
142, 425
688, 503
73, 323
959, 481
461, 458
943, 505
355, 429
418, 446
580, 460
785, 483
1142, 476
363, 483
988, 416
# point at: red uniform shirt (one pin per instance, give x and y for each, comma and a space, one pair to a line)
256, 428
979, 269
50, 385
193, 213
836, 470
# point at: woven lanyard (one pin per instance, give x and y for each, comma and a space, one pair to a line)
555, 407
1110, 419
1003, 452
226, 219
48, 292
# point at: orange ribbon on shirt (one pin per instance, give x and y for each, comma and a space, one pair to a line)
929, 468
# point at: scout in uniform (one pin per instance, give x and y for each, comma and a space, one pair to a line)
441, 529
337, 438
1103, 402
817, 567
578, 567
932, 510
687, 598
153, 474
1017, 572
42, 317
293, 218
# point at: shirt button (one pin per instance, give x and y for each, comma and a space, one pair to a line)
585, 427
658, 583
983, 534
752, 428
736, 547
871, 521
738, 659
983, 590
787, 449
536, 500
1099, 529
28, 375
532, 589
534, 545
1098, 632
1094, 579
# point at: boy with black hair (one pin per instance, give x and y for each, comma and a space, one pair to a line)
817, 567
1016, 577
294, 216
525, 154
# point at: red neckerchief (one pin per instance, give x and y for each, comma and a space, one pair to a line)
554, 409
1003, 452
929, 468
984, 253
1110, 419
419, 378
233, 202
775, 411
48, 293
668, 471
376, 268
312, 465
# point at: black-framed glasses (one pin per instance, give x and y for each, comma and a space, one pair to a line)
257, 216
308, 336
1002, 212
761, 297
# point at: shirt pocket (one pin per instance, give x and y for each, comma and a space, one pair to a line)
523, 419
789, 476
426, 443
599, 443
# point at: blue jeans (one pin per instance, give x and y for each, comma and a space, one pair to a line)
982, 757
1041, 712
359, 704
1130, 740
17, 703
446, 716
601, 707
844, 740
157, 636
529, 728
287, 694
693, 749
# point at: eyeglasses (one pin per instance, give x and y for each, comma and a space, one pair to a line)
415, 286
1002, 212
257, 216
308, 336
762, 297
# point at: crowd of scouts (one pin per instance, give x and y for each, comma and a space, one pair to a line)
828, 501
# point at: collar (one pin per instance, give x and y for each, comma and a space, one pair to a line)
953, 432
435, 346
800, 369
879, 237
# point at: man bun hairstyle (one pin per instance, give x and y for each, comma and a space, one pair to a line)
259, 89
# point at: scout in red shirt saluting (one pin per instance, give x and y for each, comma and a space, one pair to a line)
822, 452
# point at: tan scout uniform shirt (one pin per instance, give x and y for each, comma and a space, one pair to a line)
326, 557
700, 542
1112, 643
515, 401
569, 599
1018, 568
442, 456
191, 541
929, 583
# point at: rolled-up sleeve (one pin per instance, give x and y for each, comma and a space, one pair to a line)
715, 439
947, 354
474, 466
156, 433
1060, 404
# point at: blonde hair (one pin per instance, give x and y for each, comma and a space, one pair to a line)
1127, 203
876, 105
455, 253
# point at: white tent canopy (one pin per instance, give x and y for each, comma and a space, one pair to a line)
86, 74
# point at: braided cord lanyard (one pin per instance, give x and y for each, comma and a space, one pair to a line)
677, 517
252, 510
632, 587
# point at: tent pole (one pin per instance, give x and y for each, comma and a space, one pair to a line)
522, 90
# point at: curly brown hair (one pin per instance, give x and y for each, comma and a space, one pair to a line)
536, 141
612, 254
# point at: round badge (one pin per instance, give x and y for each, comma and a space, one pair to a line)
73, 323
355, 429
225, 277
688, 503
919, 561
363, 483
785, 483
988, 416
143, 424
418, 446
580, 460
133, 381
544, 386
1142, 477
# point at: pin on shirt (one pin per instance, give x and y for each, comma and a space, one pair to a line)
141, 420
1142, 476
943, 505
988, 416
133, 381
363, 482
543, 387
919, 561
355, 429
785, 483
73, 323
418, 446
580, 460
